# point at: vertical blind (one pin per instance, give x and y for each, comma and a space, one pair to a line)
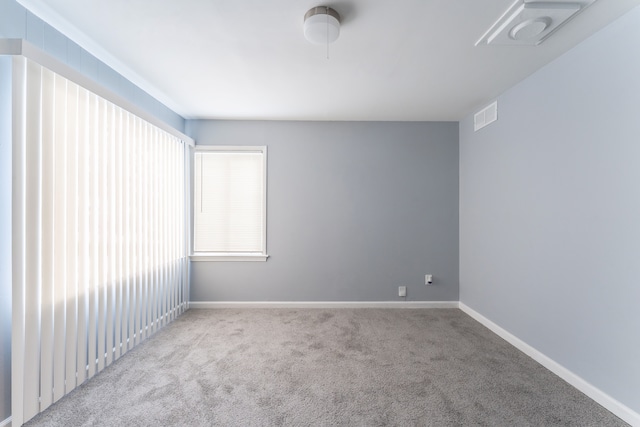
229, 194
99, 253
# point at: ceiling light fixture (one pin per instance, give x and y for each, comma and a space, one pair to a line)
321, 25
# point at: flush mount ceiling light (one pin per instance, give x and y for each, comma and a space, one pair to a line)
321, 25
529, 22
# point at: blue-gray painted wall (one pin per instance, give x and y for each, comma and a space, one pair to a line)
354, 210
18, 23
550, 211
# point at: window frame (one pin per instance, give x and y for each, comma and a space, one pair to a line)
230, 256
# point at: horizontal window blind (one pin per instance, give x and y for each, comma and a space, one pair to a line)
229, 195
98, 235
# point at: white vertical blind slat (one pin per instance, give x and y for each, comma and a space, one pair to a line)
172, 252
139, 266
94, 211
102, 234
124, 240
48, 249
18, 240
176, 258
158, 235
146, 237
119, 235
72, 238
33, 241
162, 235
60, 238
83, 236
153, 220
167, 231
173, 151
110, 240
130, 228
162, 232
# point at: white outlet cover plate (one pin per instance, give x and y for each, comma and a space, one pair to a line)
402, 291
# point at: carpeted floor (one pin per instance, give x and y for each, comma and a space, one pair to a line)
325, 367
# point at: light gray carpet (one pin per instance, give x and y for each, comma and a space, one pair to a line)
325, 367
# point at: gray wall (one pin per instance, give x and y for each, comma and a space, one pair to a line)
550, 211
5, 238
354, 211
18, 23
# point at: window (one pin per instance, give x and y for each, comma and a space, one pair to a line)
229, 210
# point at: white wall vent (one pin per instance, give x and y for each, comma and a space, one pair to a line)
485, 116
531, 22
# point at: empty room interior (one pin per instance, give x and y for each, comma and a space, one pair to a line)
282, 213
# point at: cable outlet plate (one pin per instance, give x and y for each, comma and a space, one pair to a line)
402, 291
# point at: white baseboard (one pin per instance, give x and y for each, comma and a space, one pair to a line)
619, 409
6, 423
323, 304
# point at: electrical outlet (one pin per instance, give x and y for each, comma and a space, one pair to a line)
402, 291
428, 279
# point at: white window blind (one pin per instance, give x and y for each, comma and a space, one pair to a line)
99, 253
230, 200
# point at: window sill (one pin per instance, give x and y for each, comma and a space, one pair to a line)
203, 256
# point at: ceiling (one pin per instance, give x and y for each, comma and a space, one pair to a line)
402, 60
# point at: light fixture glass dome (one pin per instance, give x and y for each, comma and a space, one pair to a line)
321, 25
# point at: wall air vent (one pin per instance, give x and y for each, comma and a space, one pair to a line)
530, 23
485, 116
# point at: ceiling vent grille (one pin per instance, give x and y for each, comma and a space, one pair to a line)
531, 22
485, 116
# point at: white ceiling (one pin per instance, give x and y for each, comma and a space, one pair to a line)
406, 60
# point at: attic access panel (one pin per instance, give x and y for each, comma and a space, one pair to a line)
531, 23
